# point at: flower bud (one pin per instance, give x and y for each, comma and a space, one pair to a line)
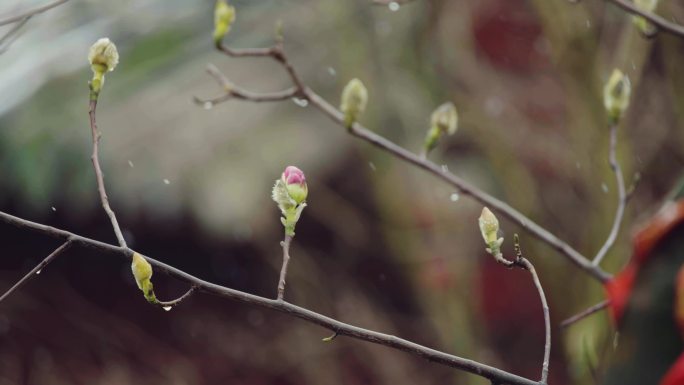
224, 16
103, 57
489, 228
354, 100
616, 95
296, 183
290, 192
444, 120
646, 27
142, 272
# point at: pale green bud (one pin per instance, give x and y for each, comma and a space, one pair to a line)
444, 120
645, 26
224, 16
102, 57
616, 95
142, 272
354, 100
489, 228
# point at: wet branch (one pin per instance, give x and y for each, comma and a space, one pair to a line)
337, 327
622, 198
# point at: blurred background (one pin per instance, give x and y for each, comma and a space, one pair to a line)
381, 245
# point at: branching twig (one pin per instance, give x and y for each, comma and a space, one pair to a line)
30, 12
8, 38
36, 270
584, 314
399, 152
525, 264
167, 305
100, 178
622, 198
283, 271
658, 21
336, 326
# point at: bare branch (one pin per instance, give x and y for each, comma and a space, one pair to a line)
622, 198
658, 21
36, 270
100, 178
464, 187
338, 327
168, 305
30, 12
283, 271
584, 314
8, 38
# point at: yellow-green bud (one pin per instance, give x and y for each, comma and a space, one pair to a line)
645, 26
102, 57
354, 100
489, 228
224, 16
142, 272
444, 120
616, 95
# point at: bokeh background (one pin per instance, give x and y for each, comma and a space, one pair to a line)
381, 245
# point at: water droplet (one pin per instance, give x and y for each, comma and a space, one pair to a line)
578, 165
604, 187
166, 181
633, 65
130, 163
588, 23
454, 197
53, 208
208, 105
494, 106
166, 308
332, 71
393, 6
300, 102
38, 272
445, 168
372, 166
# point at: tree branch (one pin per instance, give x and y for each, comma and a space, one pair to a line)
100, 178
8, 38
338, 327
31, 12
464, 187
36, 270
584, 314
283, 271
658, 21
622, 197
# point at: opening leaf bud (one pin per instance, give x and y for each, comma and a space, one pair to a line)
354, 100
645, 27
616, 95
224, 16
102, 57
290, 192
489, 228
142, 272
444, 120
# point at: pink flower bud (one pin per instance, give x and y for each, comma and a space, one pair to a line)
295, 181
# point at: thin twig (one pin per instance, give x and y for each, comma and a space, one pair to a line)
8, 38
622, 197
339, 327
658, 21
584, 314
464, 187
36, 270
31, 12
523, 263
100, 178
283, 270
167, 305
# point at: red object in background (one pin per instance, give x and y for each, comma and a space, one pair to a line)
508, 34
